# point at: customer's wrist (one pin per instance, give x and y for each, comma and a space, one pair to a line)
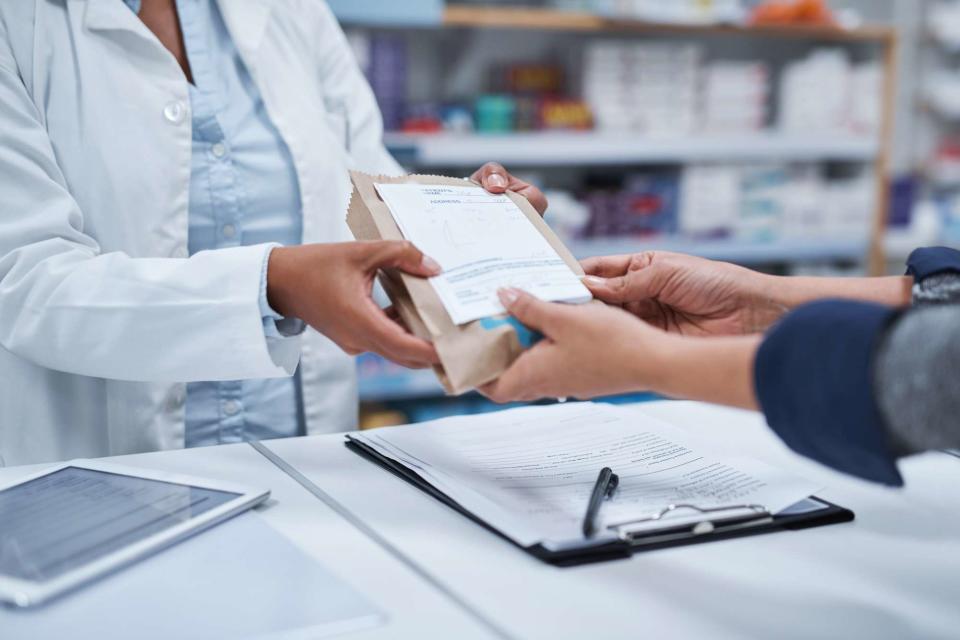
652, 361
711, 369
788, 293
770, 298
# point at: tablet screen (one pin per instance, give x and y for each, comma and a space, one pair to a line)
63, 520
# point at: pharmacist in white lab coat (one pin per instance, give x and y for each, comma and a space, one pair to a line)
154, 154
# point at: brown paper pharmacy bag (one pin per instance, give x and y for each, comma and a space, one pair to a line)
471, 354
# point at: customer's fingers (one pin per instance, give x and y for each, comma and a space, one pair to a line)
632, 287
523, 381
606, 266
402, 255
531, 311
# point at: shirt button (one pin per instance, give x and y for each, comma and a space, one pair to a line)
175, 112
175, 400
231, 407
229, 231
218, 150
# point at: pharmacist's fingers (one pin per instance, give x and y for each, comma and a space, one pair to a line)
404, 349
403, 255
392, 313
533, 195
395, 316
606, 266
393, 342
492, 177
495, 179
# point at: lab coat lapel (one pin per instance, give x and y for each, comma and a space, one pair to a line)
114, 20
100, 15
246, 21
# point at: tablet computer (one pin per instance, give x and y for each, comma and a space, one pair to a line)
78, 521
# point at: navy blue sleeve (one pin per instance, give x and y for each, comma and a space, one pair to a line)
814, 381
932, 261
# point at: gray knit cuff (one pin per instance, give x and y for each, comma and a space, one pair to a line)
942, 288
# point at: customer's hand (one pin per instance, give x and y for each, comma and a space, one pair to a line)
588, 350
595, 350
329, 286
495, 179
684, 294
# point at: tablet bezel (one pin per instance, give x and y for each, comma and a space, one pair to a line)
26, 593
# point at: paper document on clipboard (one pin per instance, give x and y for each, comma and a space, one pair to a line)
483, 242
529, 472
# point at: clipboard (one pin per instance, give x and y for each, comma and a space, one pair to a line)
632, 543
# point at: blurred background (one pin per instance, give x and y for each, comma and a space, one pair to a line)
792, 136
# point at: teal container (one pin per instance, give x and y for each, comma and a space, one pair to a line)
495, 114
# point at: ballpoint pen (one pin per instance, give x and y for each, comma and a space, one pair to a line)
603, 489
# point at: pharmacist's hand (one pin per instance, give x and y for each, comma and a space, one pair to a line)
588, 350
329, 286
684, 294
495, 179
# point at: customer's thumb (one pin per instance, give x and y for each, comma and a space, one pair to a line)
529, 310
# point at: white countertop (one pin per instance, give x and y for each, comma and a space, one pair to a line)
411, 605
893, 573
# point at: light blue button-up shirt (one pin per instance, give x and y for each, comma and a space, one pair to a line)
243, 191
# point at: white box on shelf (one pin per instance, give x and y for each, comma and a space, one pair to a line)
709, 198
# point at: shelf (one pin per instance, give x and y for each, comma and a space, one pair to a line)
531, 18
432, 13
612, 148
729, 250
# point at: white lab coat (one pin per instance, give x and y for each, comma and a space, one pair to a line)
103, 318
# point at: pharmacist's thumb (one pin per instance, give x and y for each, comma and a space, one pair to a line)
403, 255
532, 312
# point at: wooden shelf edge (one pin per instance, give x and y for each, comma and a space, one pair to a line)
521, 18
549, 19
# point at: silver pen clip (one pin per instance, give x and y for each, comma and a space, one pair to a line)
757, 513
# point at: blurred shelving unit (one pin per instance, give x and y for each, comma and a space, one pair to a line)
751, 253
554, 149
617, 148
936, 146
534, 18
562, 151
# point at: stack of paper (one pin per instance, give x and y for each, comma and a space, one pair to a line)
529, 472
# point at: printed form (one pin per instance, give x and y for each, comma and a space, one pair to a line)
483, 242
529, 472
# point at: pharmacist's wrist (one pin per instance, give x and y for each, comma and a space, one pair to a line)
281, 278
